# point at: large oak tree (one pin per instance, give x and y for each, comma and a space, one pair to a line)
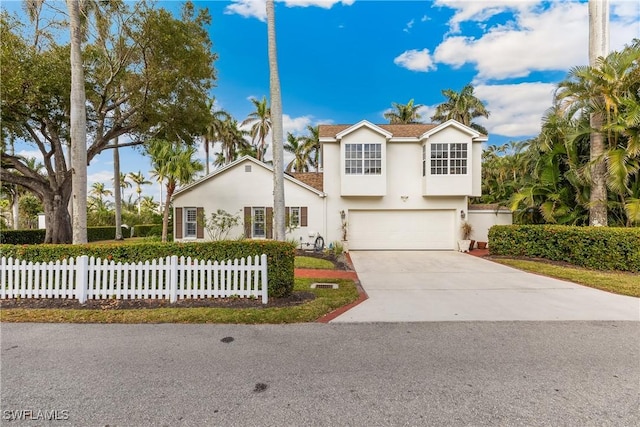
152, 67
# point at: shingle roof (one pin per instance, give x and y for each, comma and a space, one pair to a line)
312, 179
414, 130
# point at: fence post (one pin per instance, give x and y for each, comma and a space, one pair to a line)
173, 280
263, 267
82, 274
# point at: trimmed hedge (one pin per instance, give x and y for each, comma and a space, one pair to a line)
598, 248
146, 230
280, 255
22, 237
34, 237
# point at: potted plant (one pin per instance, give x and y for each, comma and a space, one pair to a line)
466, 229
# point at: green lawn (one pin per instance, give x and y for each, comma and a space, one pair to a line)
617, 282
311, 262
326, 301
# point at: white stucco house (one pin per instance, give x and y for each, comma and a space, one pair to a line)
392, 186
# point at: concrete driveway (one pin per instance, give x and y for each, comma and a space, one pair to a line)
412, 286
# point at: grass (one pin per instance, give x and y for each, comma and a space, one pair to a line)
326, 301
311, 262
617, 282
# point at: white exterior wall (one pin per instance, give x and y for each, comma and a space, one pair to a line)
459, 185
404, 187
363, 185
234, 189
483, 220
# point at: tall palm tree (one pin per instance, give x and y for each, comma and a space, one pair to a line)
403, 114
175, 164
232, 140
139, 180
124, 183
300, 151
260, 121
312, 145
215, 130
99, 191
277, 140
598, 48
462, 106
78, 126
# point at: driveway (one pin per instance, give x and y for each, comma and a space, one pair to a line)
412, 286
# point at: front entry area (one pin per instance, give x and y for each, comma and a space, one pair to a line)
401, 229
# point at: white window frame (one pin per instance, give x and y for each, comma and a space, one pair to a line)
363, 159
190, 220
447, 158
294, 216
255, 223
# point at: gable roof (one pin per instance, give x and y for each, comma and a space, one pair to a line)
235, 164
414, 130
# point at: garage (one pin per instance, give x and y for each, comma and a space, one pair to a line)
401, 229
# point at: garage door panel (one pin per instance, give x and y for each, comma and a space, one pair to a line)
424, 229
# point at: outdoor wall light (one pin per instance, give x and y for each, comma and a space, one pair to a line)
404, 198
462, 214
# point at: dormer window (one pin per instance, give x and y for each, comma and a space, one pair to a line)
363, 159
447, 159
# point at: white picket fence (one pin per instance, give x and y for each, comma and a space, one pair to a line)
171, 278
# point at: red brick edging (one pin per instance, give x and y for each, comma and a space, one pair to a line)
335, 274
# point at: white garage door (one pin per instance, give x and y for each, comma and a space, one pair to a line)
425, 229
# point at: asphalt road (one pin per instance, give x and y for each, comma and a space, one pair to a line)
440, 374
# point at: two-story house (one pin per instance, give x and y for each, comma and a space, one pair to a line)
387, 186
400, 186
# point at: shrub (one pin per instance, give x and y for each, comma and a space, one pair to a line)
95, 234
280, 255
22, 237
599, 248
146, 230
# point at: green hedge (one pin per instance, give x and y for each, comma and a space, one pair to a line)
280, 255
33, 237
599, 248
22, 237
146, 230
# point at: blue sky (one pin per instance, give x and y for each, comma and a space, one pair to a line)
345, 61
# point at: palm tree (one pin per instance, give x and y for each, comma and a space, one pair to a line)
607, 95
232, 140
260, 121
312, 146
215, 130
277, 140
78, 126
99, 191
174, 163
300, 151
139, 180
403, 114
462, 106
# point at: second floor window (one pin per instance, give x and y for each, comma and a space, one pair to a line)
363, 159
447, 159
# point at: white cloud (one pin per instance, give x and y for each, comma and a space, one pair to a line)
480, 11
257, 8
415, 60
515, 110
555, 38
31, 154
425, 18
105, 177
408, 26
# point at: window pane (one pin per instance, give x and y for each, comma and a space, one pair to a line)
190, 222
259, 222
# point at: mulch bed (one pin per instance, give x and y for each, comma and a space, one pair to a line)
296, 298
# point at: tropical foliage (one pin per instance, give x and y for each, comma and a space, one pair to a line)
461, 106
548, 179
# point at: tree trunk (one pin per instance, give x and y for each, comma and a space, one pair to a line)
16, 208
276, 127
57, 219
165, 217
117, 190
598, 47
78, 127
